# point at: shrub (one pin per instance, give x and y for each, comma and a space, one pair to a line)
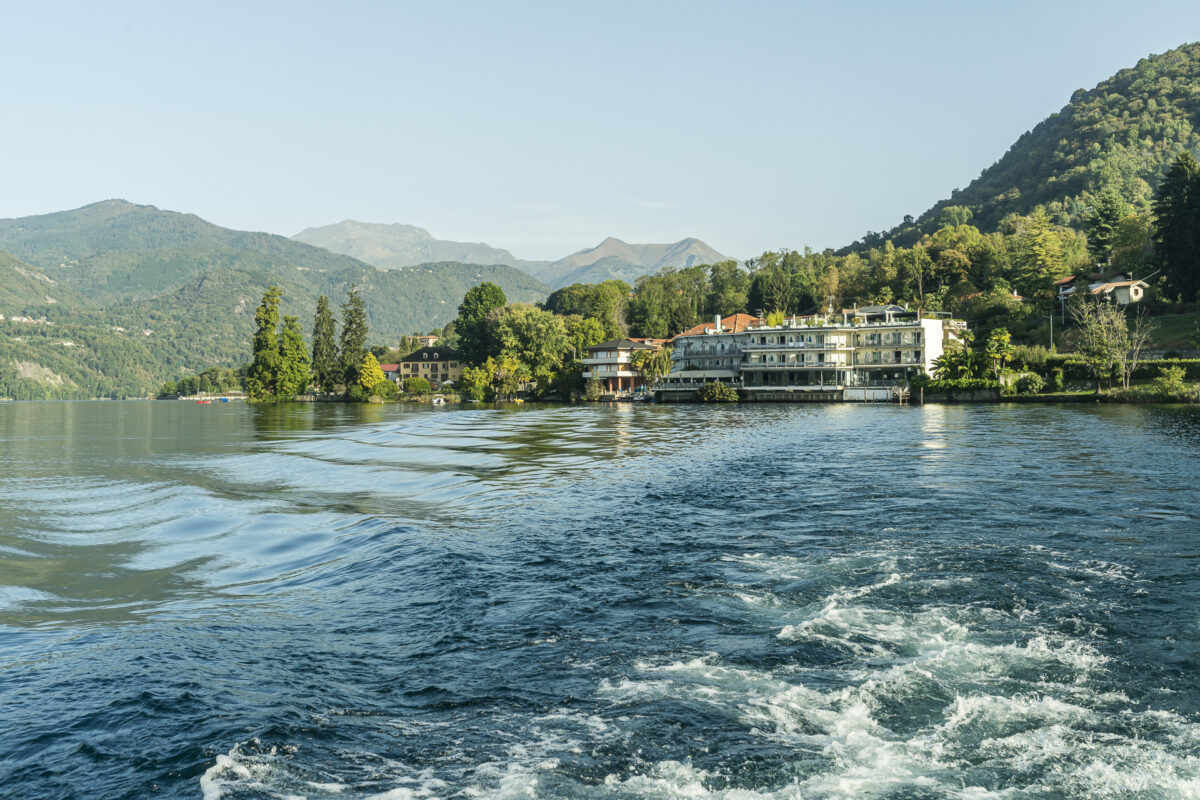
1056, 379
593, 389
387, 390
416, 386
1169, 384
357, 394
1030, 384
717, 392
1029, 356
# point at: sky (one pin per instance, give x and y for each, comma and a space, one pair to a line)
543, 127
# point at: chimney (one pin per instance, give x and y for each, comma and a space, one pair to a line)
717, 323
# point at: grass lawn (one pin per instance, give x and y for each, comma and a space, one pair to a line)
1174, 331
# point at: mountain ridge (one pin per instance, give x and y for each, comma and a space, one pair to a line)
118, 267
398, 245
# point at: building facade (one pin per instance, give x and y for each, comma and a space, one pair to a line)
438, 365
876, 347
611, 363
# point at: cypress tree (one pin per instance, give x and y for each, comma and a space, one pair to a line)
324, 351
264, 370
293, 360
1177, 226
354, 337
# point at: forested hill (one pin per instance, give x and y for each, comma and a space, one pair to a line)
1123, 133
113, 272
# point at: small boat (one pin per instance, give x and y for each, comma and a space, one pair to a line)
224, 399
438, 400
203, 401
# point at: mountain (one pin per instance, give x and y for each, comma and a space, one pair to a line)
395, 245
1123, 133
185, 290
615, 259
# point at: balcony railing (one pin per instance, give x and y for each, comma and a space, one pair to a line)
798, 346
606, 360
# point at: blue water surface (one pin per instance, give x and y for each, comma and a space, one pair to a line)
222, 601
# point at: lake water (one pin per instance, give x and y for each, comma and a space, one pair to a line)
599, 602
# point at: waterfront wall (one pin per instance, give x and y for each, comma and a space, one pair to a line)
963, 396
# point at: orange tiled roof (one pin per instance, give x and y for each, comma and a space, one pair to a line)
732, 324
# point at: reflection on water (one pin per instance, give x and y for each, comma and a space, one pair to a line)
599, 601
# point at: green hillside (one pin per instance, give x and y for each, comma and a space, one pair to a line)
184, 292
24, 289
1123, 133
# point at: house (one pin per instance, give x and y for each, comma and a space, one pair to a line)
611, 363
438, 365
1119, 287
429, 340
827, 356
391, 372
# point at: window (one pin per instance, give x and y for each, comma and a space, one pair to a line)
453, 364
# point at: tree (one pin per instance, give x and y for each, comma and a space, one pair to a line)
294, 371
999, 349
582, 333
475, 383
1101, 337
264, 370
475, 340
369, 373
729, 289
603, 302
535, 338
1177, 226
354, 338
508, 375
1108, 209
652, 364
324, 351
1139, 336
1039, 259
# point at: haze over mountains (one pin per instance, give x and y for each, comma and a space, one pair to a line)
396, 246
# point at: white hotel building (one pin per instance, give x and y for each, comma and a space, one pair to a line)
856, 355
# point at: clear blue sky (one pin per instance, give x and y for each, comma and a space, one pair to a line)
544, 127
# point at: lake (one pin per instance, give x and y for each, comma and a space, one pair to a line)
329, 601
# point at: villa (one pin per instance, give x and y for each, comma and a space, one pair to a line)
611, 363
438, 365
